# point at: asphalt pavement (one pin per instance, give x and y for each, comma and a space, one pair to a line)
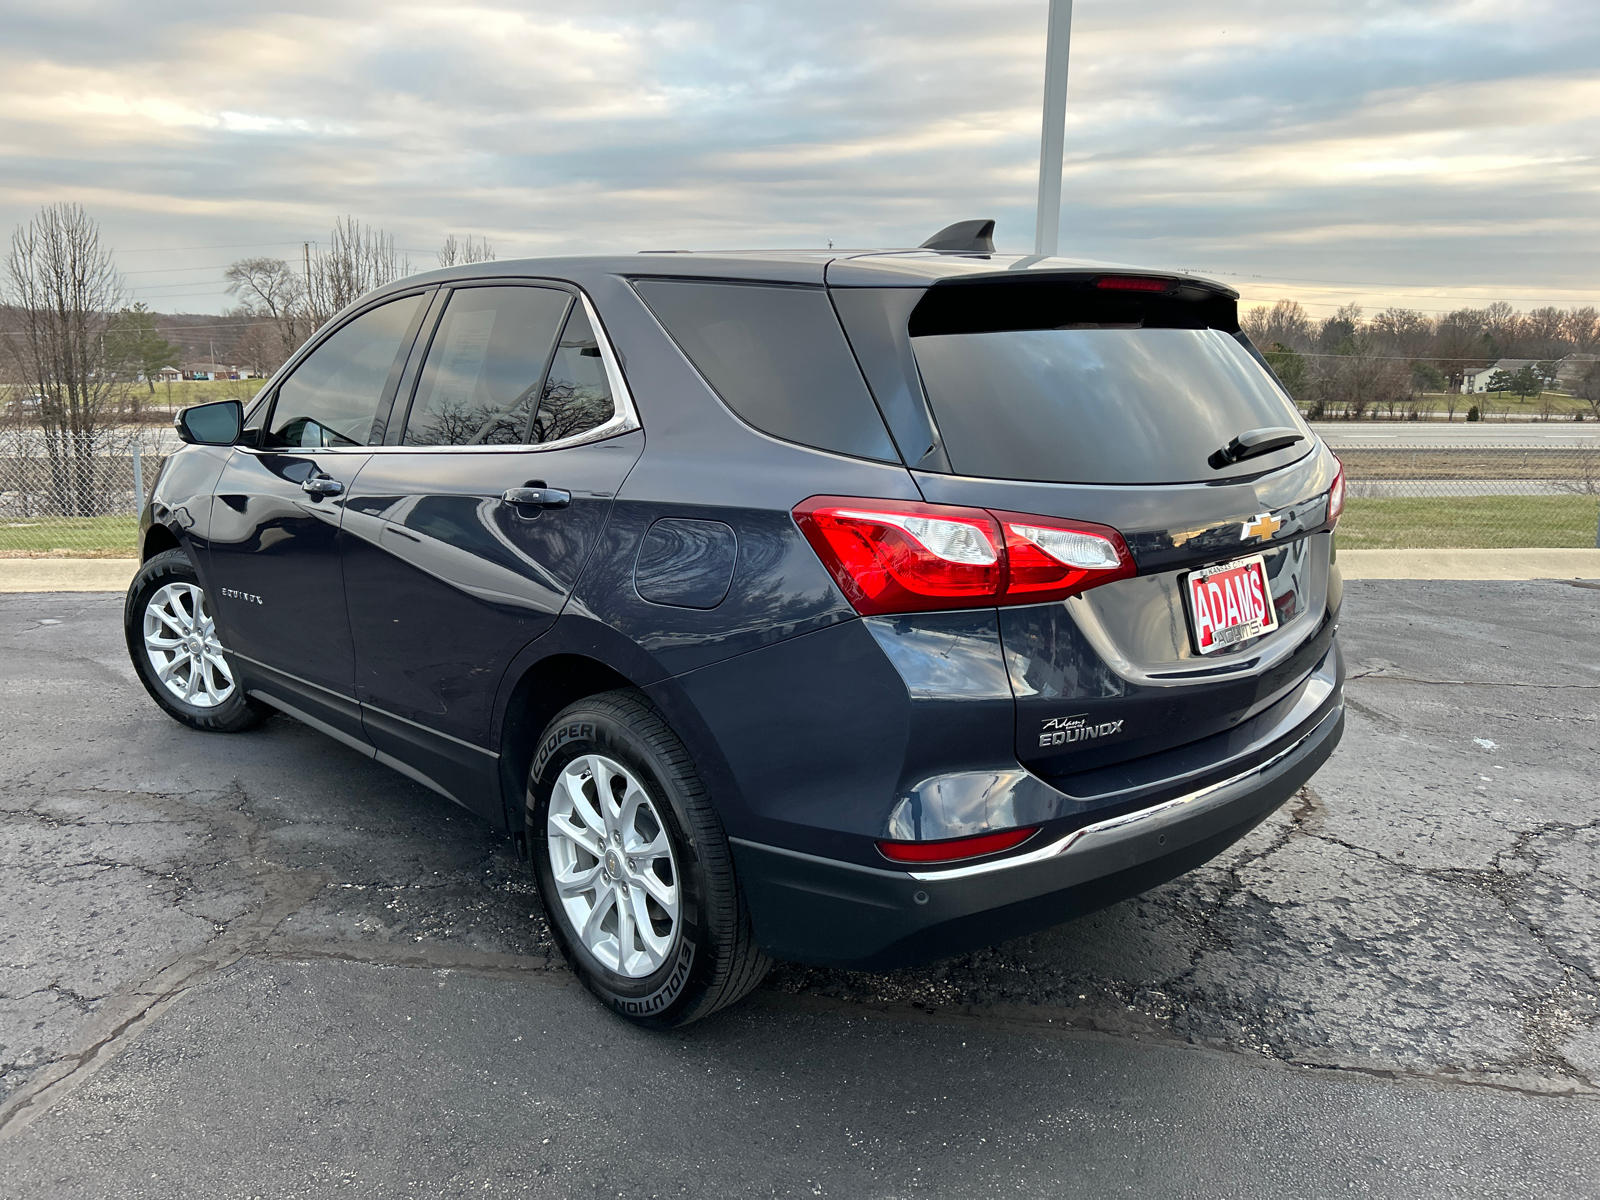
263, 965
1460, 434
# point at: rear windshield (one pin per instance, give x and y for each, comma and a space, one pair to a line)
1100, 405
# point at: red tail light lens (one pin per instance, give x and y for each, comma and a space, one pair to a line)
1132, 283
955, 849
892, 556
1336, 496
1051, 559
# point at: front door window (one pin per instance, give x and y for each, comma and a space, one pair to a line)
333, 396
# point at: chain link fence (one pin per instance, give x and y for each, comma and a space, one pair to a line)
1477, 497
64, 505
65, 500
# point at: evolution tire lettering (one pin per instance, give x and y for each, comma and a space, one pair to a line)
668, 992
1062, 731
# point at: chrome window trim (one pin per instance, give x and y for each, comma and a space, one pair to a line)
624, 420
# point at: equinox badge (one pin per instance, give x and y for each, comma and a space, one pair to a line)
1061, 731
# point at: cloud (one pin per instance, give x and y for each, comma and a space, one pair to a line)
1441, 142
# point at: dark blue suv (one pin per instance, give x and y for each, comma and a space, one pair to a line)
853, 608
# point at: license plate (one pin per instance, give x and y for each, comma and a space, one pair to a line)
1230, 603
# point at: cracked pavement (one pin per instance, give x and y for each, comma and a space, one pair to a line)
1429, 905
1425, 913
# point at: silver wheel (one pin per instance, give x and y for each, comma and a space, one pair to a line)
181, 641
613, 866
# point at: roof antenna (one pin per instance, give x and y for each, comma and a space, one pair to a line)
975, 237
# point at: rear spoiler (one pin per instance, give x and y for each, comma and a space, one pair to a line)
994, 303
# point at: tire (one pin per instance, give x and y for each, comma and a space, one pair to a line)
695, 959
215, 702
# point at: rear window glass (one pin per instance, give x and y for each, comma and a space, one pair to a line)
1100, 405
777, 357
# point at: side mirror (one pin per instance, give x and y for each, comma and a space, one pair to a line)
215, 424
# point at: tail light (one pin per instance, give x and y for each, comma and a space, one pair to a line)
893, 556
1336, 495
955, 849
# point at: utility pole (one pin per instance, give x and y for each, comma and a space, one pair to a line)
1058, 38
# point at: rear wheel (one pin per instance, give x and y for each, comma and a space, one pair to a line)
172, 640
633, 865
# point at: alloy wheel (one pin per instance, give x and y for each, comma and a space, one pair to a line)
181, 641
613, 865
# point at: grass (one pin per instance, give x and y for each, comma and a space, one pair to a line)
1469, 523
69, 537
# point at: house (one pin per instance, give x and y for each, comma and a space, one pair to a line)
168, 375
1571, 370
214, 370
1477, 379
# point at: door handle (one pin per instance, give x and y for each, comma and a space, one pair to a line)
544, 497
321, 485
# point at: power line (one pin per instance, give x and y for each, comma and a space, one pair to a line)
178, 249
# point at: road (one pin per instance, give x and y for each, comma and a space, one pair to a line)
1405, 435
265, 966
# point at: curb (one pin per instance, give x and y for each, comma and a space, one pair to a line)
66, 574
1470, 564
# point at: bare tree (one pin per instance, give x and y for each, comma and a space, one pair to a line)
259, 346
1285, 323
1588, 389
63, 290
358, 259
271, 288
1581, 329
454, 253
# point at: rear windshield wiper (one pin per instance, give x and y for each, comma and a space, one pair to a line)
1252, 443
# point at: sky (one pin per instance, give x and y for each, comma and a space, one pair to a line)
1431, 154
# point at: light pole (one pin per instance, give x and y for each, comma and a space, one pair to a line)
1058, 37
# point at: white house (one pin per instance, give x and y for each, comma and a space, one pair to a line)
1477, 379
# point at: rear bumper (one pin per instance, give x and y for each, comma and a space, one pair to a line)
827, 912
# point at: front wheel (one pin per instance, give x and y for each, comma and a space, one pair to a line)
633, 866
172, 640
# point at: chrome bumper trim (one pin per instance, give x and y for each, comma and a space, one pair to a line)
1146, 820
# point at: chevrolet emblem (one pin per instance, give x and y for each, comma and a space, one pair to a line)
1263, 526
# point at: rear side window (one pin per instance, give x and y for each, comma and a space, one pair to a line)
577, 394
481, 380
777, 357
1100, 405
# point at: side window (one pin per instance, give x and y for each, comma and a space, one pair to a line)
577, 395
332, 397
777, 357
480, 382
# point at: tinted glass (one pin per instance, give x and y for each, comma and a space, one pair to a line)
777, 357
577, 395
1100, 405
484, 366
332, 397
